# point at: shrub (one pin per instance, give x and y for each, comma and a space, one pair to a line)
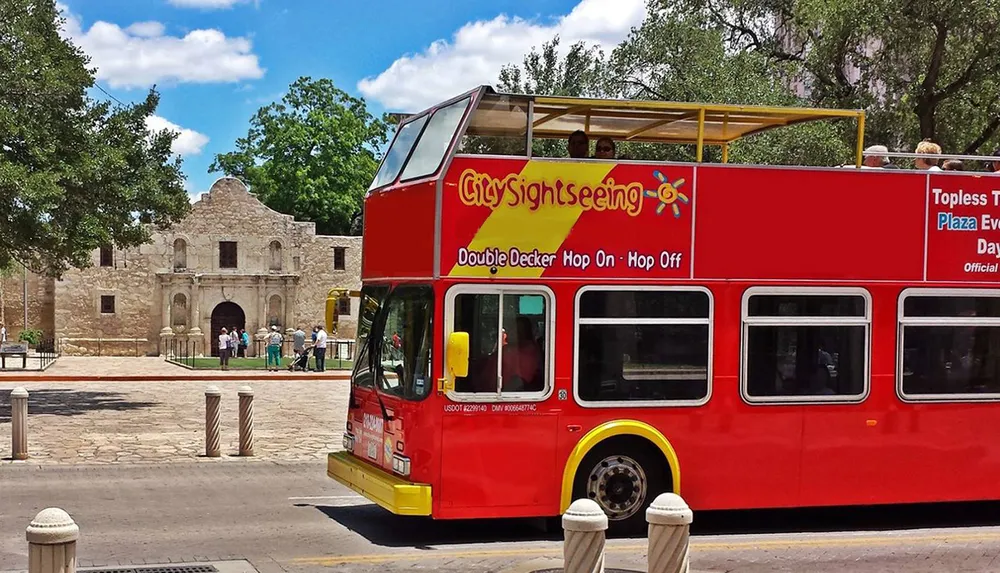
32, 336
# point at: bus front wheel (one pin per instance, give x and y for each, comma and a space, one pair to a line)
623, 476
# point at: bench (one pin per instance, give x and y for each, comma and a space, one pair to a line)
14, 349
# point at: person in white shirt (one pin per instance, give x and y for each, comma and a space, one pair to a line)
224, 346
3, 333
319, 350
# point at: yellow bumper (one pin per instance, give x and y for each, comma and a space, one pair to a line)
393, 493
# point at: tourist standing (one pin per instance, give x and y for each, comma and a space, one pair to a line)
299, 344
234, 339
320, 349
224, 343
274, 349
244, 342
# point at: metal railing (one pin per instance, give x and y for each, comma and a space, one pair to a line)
182, 352
47, 351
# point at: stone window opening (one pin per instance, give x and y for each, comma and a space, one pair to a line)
178, 311
107, 304
107, 257
274, 249
339, 258
344, 306
180, 254
227, 254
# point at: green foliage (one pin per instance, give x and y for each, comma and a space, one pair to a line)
75, 174
313, 155
578, 74
919, 70
32, 336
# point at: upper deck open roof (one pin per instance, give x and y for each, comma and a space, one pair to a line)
637, 120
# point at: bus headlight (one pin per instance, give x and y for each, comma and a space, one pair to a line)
348, 442
401, 464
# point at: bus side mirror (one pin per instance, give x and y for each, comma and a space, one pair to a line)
457, 355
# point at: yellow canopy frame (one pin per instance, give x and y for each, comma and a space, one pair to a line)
696, 124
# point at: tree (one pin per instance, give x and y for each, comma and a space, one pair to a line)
921, 69
577, 74
675, 57
313, 155
75, 174
682, 56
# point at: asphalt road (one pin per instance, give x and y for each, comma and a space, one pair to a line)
291, 517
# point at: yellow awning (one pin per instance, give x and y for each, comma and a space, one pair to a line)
699, 124
649, 121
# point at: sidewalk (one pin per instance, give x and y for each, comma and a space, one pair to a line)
164, 421
133, 369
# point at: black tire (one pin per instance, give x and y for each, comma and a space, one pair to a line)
620, 464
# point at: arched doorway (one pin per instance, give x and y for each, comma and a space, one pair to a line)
226, 315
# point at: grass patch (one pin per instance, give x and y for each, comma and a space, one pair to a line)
210, 363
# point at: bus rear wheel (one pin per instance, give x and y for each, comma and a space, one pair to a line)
623, 478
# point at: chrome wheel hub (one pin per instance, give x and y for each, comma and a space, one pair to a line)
618, 485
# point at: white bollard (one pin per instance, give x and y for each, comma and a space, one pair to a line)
52, 539
19, 423
213, 422
584, 524
246, 420
669, 519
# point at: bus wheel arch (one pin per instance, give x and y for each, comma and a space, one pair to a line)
624, 449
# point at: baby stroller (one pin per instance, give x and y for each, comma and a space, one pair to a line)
301, 362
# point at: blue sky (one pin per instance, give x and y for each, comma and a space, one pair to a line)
215, 62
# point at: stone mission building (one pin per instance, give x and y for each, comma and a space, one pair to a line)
231, 262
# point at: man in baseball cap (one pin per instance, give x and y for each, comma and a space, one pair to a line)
873, 157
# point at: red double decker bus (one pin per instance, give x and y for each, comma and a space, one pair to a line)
536, 330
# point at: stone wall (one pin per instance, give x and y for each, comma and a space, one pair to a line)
319, 276
41, 294
132, 327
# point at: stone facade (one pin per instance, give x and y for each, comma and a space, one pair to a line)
231, 262
41, 303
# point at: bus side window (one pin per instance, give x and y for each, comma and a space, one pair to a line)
805, 346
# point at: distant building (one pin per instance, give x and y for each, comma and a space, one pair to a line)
231, 262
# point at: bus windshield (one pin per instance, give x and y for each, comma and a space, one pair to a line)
395, 338
398, 152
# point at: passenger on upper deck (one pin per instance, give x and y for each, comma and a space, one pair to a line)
604, 148
953, 165
579, 145
876, 161
995, 166
931, 163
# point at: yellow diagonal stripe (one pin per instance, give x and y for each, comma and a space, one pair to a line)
544, 229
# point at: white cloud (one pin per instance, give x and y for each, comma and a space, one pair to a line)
146, 29
141, 54
188, 142
479, 49
208, 4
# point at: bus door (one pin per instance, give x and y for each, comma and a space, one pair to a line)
393, 372
498, 439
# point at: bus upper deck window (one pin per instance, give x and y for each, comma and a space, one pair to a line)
398, 151
434, 142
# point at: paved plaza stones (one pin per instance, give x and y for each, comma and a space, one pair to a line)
153, 421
